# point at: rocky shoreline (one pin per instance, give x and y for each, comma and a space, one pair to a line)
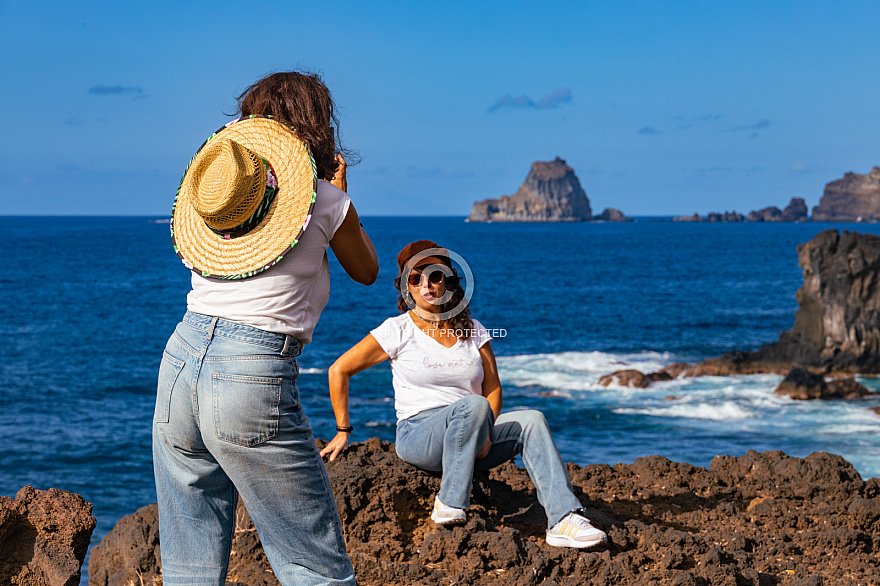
761, 519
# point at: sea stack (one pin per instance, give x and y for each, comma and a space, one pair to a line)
550, 193
837, 324
854, 198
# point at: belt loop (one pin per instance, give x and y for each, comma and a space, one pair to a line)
286, 344
211, 327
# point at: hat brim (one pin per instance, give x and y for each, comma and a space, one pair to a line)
215, 257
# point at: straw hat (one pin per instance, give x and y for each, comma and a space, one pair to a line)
246, 198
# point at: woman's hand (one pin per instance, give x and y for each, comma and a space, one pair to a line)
336, 444
339, 179
484, 451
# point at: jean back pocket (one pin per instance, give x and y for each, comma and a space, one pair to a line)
246, 408
169, 370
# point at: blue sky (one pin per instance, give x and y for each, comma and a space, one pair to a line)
660, 107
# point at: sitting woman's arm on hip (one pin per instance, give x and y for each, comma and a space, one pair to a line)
491, 389
361, 356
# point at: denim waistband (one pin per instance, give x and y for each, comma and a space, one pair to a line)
217, 326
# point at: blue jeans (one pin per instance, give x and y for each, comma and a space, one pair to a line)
228, 421
448, 438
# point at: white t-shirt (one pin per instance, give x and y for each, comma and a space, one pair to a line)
425, 373
289, 297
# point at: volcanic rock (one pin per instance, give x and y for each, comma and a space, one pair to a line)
763, 518
802, 385
854, 198
612, 215
846, 388
837, 325
725, 217
796, 211
771, 214
625, 378
711, 217
44, 537
550, 193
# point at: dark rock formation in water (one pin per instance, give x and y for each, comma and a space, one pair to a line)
796, 211
724, 217
771, 214
763, 518
802, 385
711, 217
550, 193
854, 198
837, 325
612, 215
44, 537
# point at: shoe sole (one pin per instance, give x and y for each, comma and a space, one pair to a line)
452, 521
563, 541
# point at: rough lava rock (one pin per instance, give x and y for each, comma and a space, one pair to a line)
853, 198
625, 378
802, 385
44, 537
837, 324
550, 193
760, 519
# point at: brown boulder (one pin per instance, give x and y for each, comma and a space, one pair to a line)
763, 518
846, 388
802, 385
625, 378
44, 537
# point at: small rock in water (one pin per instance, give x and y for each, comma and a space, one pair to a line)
802, 385
626, 378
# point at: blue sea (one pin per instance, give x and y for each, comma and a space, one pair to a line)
88, 304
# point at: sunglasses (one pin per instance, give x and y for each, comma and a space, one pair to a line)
415, 279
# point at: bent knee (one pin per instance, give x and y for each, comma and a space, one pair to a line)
531, 418
476, 405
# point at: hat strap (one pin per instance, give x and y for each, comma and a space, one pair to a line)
260, 213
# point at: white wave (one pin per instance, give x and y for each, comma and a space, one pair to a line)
574, 371
850, 429
313, 371
722, 412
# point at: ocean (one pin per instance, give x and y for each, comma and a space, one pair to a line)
88, 304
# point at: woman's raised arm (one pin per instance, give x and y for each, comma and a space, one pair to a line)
351, 245
361, 356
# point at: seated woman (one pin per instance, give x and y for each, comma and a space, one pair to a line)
448, 399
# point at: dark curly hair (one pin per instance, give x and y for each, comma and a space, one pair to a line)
461, 321
303, 102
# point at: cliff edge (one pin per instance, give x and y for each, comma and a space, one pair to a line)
854, 198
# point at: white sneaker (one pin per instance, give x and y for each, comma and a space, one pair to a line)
443, 515
575, 531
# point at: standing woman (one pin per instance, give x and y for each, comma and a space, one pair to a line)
257, 208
